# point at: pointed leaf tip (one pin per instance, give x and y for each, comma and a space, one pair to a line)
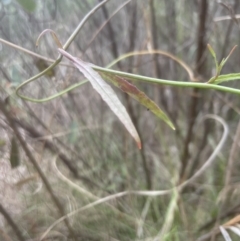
106, 92
138, 95
211, 50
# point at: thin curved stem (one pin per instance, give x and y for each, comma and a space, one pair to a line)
160, 52
122, 74
81, 24
154, 193
135, 77
65, 46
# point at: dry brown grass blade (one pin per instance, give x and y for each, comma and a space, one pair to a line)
232, 221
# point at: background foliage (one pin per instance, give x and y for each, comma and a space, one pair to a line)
77, 135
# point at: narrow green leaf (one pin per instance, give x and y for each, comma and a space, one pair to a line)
28, 5
106, 92
14, 153
222, 78
213, 54
221, 65
138, 95
226, 77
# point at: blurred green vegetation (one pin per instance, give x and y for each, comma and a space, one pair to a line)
78, 128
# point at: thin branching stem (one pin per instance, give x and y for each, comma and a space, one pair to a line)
155, 193
81, 24
65, 46
134, 77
